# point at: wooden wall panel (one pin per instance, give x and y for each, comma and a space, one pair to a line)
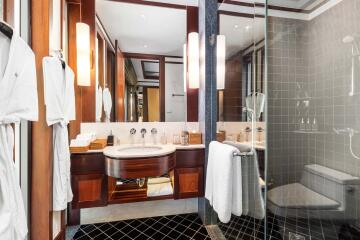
73, 10
162, 88
88, 93
8, 8
192, 94
120, 84
233, 90
41, 175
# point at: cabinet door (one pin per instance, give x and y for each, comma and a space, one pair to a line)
189, 182
89, 190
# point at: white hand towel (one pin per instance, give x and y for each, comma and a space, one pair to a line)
160, 189
80, 143
223, 184
158, 180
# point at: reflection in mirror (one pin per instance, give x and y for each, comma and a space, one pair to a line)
143, 70
243, 97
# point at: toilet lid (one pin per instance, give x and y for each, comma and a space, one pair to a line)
296, 195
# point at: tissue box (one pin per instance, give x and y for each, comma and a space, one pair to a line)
195, 138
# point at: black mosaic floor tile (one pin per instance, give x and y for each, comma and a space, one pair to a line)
279, 228
185, 226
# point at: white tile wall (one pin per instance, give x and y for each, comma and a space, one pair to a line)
122, 130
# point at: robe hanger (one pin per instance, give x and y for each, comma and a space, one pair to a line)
59, 54
6, 29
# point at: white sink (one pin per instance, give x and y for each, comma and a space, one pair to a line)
138, 151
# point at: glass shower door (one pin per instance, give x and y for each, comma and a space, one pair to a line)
313, 121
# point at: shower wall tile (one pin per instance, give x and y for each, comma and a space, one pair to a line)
309, 73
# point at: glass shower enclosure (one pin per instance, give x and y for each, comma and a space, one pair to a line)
304, 57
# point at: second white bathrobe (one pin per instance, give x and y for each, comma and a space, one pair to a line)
18, 101
60, 109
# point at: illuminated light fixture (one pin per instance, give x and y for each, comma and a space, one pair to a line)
221, 61
83, 54
185, 66
193, 60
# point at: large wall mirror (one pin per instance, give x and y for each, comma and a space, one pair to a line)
244, 78
139, 63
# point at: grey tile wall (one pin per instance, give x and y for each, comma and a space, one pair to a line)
309, 72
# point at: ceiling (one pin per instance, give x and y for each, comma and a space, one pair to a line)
142, 28
240, 32
297, 4
149, 66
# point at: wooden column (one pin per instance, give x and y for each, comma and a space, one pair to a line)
8, 11
120, 84
192, 94
41, 174
162, 88
73, 11
88, 93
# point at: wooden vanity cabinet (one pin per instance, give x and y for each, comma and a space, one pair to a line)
88, 180
189, 173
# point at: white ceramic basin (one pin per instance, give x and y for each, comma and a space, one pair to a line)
138, 151
257, 144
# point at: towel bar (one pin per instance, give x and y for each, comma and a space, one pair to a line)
243, 154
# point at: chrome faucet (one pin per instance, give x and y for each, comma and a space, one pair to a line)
143, 132
154, 131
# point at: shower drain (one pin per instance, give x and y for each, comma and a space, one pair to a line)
295, 236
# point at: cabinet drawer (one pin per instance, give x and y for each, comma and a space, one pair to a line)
189, 182
190, 158
87, 163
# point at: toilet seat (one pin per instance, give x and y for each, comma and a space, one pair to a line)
298, 196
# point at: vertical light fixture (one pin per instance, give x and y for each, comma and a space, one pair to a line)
221, 61
185, 66
83, 54
193, 60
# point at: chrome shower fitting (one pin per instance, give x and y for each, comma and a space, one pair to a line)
351, 132
355, 52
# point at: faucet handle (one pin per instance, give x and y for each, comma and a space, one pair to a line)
154, 131
132, 131
143, 131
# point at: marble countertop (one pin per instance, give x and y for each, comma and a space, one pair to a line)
257, 145
179, 147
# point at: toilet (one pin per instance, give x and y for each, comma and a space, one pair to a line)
322, 193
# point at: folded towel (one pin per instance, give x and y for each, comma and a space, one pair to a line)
158, 180
223, 181
80, 142
160, 189
86, 136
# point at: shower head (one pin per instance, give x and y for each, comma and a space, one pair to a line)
348, 39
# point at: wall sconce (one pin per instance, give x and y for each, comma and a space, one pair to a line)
185, 66
83, 54
221, 61
193, 60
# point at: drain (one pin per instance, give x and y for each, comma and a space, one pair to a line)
295, 236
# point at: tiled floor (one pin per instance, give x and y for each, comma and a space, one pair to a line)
280, 228
185, 226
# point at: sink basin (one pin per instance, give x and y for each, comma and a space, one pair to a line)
138, 161
138, 151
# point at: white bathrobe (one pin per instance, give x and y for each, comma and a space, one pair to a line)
60, 109
107, 104
18, 101
99, 102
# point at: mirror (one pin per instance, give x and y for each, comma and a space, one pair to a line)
139, 51
243, 97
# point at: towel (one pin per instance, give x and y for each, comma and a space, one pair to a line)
223, 181
158, 180
159, 189
80, 142
252, 200
87, 136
